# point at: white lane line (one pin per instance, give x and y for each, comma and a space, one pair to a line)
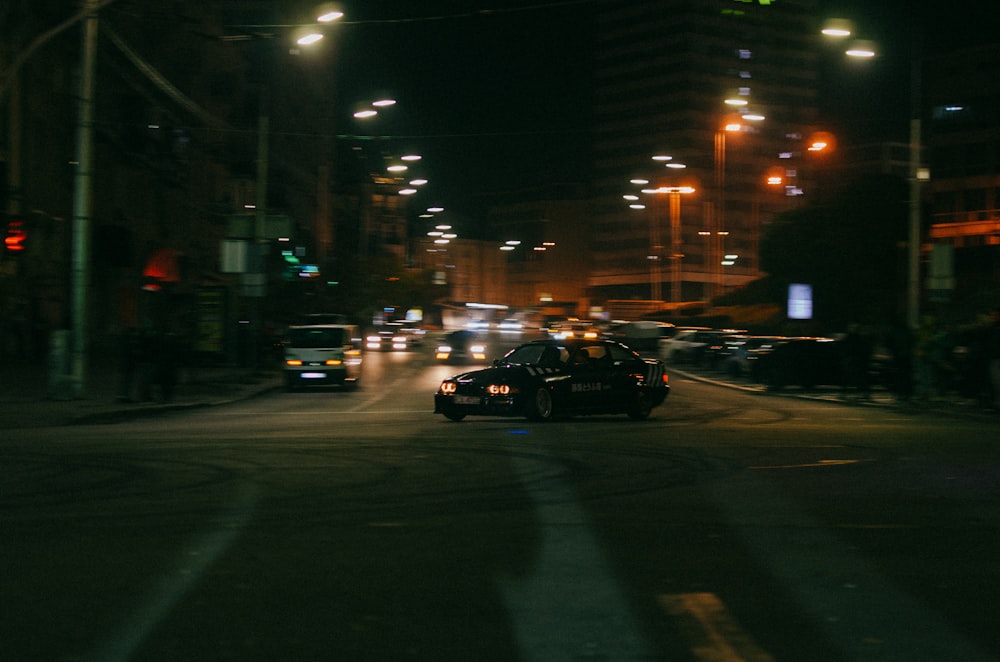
569, 606
198, 558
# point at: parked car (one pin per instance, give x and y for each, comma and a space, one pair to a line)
742, 352
642, 335
690, 345
804, 362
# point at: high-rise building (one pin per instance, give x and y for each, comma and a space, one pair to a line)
726, 88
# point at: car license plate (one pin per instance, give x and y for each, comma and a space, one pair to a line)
466, 400
312, 375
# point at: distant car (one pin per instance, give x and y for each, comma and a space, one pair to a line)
322, 355
312, 319
580, 329
461, 346
642, 335
686, 344
744, 351
510, 325
395, 336
803, 362
549, 378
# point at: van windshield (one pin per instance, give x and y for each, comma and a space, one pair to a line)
315, 338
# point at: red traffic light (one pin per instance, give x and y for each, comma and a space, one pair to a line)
14, 240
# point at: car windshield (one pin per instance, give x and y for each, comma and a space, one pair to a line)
543, 355
314, 338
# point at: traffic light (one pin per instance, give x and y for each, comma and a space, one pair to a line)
15, 238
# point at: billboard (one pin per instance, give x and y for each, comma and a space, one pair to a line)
800, 301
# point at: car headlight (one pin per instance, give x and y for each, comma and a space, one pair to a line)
478, 349
444, 349
500, 389
448, 388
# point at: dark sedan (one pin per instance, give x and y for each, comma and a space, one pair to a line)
558, 378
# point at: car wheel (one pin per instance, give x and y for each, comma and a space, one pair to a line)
641, 407
540, 406
289, 384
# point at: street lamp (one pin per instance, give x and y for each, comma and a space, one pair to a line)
676, 254
255, 282
915, 174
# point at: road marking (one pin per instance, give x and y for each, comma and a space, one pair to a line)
713, 633
861, 613
819, 463
568, 606
199, 557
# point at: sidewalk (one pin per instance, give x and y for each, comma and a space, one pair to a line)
877, 397
28, 399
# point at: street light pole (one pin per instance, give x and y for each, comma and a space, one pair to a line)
914, 172
676, 254
913, 241
82, 203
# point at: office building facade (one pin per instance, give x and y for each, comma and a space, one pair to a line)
727, 89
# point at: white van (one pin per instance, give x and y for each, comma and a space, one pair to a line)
322, 355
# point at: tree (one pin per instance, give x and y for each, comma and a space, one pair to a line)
850, 249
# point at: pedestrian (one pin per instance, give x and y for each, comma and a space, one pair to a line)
855, 362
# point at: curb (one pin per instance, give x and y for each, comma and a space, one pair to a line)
159, 409
914, 407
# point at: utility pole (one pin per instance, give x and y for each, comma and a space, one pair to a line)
82, 203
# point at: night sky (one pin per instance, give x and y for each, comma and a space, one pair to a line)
493, 100
499, 99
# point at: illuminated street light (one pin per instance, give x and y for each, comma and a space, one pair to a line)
309, 39
837, 28
717, 221
915, 173
676, 255
861, 49
370, 111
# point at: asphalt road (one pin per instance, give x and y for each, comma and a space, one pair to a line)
336, 525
